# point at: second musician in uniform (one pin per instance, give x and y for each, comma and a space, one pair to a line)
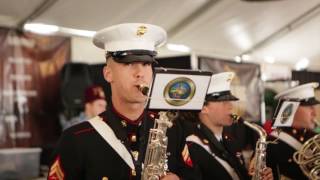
290, 139
205, 149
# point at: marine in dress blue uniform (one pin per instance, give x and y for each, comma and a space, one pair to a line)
280, 155
84, 150
205, 150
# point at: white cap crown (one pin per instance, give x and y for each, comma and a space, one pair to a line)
220, 82
130, 36
301, 92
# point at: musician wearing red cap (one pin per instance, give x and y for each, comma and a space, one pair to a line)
94, 104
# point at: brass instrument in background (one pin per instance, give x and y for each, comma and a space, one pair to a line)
261, 146
308, 157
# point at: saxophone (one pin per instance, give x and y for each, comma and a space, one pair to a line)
155, 162
261, 146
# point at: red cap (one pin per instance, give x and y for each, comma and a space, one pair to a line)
93, 93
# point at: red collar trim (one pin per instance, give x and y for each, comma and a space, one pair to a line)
129, 121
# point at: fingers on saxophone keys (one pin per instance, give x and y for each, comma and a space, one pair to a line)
266, 174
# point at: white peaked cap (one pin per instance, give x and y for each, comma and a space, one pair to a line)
130, 36
220, 82
301, 92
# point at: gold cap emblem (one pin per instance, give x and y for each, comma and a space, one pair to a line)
104, 178
141, 30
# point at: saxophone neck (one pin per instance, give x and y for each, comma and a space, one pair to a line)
237, 119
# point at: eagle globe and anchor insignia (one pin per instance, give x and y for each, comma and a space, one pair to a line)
179, 91
286, 113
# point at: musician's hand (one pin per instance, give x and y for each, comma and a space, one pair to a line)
170, 176
251, 167
266, 174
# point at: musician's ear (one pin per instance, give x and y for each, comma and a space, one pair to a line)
204, 110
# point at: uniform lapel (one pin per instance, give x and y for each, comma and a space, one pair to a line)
215, 146
218, 148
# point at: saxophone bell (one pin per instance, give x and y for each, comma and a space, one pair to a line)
143, 88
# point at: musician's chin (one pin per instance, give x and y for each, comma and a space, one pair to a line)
228, 121
140, 99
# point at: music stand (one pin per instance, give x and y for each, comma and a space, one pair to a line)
178, 89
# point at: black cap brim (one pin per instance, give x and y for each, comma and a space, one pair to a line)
135, 58
226, 97
309, 102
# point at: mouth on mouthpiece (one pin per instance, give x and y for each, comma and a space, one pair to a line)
144, 89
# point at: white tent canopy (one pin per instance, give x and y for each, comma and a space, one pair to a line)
284, 31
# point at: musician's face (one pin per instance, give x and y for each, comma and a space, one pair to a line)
125, 79
219, 112
305, 117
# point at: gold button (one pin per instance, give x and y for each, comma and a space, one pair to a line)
294, 131
152, 115
290, 160
301, 138
105, 178
124, 123
133, 138
205, 141
133, 172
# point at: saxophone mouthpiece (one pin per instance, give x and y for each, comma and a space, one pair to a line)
144, 89
235, 118
317, 122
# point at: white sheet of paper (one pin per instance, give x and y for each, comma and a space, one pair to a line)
286, 114
158, 100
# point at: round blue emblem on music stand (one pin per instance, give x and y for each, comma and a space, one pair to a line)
179, 91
